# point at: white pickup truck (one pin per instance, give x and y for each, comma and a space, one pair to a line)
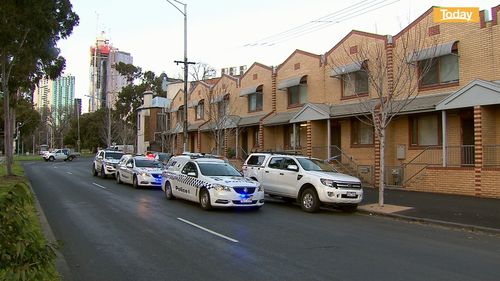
309, 181
60, 154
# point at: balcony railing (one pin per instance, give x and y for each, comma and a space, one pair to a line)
491, 155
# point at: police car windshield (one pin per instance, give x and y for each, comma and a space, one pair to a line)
114, 155
311, 164
218, 169
147, 164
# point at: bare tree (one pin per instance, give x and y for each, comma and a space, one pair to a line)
392, 76
219, 111
201, 71
60, 121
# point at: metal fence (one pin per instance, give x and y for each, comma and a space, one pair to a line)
491, 155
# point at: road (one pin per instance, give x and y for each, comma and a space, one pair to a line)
111, 231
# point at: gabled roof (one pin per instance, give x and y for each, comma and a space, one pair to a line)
279, 118
297, 51
355, 32
312, 111
256, 64
476, 93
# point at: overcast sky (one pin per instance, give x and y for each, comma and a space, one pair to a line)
220, 31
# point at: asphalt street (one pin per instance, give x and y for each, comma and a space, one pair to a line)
111, 231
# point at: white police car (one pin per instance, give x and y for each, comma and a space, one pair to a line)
210, 182
139, 171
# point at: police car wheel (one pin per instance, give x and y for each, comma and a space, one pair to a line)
168, 191
118, 180
103, 172
135, 183
205, 200
94, 171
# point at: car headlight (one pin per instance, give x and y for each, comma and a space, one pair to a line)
328, 182
145, 174
220, 187
260, 187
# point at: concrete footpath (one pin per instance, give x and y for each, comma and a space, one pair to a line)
465, 212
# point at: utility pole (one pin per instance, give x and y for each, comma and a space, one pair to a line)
78, 126
186, 64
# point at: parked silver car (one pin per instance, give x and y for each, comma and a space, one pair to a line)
140, 171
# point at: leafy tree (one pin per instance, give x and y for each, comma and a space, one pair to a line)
29, 31
130, 97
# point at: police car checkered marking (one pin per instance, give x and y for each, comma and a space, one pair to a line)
188, 180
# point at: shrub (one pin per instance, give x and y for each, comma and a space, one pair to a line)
24, 252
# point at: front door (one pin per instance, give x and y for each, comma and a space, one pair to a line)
335, 138
244, 143
467, 126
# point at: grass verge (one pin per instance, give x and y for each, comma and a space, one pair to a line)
25, 254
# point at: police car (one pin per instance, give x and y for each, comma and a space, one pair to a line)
211, 182
139, 171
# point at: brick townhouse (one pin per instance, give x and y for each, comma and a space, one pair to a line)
446, 139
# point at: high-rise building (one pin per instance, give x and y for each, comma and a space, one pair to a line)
54, 94
63, 92
105, 81
42, 97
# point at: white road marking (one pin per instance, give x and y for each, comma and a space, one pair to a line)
208, 230
69, 173
98, 185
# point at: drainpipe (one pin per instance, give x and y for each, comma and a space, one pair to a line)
443, 131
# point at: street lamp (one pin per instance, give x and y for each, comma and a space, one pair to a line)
186, 63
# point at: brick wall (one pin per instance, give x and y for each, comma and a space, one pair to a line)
263, 75
446, 180
490, 182
310, 65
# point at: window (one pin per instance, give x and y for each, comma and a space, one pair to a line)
275, 162
200, 110
355, 84
160, 121
287, 162
424, 130
255, 102
188, 168
168, 122
256, 160
297, 95
300, 136
223, 106
138, 121
180, 114
361, 132
438, 71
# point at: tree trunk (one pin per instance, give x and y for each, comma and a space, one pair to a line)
382, 168
8, 140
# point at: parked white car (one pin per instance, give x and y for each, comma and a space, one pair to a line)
309, 181
140, 171
211, 182
60, 154
105, 162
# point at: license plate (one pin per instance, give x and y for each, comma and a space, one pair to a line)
246, 200
351, 194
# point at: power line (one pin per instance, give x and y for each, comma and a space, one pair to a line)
323, 22
305, 25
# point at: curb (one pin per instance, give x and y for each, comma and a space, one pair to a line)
461, 226
61, 264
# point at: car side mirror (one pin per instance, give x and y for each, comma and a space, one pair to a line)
192, 174
293, 168
129, 165
99, 157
